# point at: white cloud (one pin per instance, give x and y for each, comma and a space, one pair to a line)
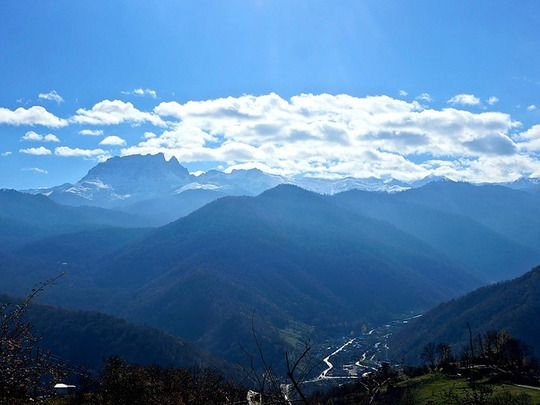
35, 170
529, 141
51, 138
485, 169
333, 135
66, 151
113, 140
532, 107
34, 136
114, 112
35, 115
145, 92
403, 93
40, 151
315, 135
91, 132
141, 92
6, 153
51, 96
492, 100
464, 99
425, 97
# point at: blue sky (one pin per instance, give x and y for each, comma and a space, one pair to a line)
383, 55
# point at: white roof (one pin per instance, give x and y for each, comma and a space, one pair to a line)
61, 385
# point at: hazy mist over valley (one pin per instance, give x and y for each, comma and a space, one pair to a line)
269, 202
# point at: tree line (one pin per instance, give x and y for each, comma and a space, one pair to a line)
496, 348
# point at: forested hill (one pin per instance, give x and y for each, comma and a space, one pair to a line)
513, 306
86, 339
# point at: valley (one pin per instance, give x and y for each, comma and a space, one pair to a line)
346, 359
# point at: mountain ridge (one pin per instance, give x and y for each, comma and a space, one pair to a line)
145, 182
142, 184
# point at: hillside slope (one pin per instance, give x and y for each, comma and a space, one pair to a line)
489, 254
85, 339
511, 213
25, 218
513, 306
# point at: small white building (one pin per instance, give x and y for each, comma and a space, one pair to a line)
64, 389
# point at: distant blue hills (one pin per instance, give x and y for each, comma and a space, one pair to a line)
205, 260
149, 183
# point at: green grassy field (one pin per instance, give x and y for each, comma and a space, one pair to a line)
444, 390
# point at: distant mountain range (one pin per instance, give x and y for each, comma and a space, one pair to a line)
121, 181
124, 181
296, 263
138, 184
531, 185
491, 230
513, 306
